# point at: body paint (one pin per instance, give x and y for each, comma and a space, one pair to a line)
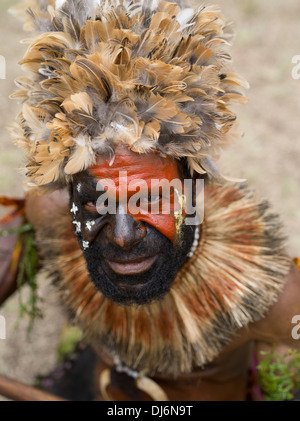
147, 167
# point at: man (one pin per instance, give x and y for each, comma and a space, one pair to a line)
120, 100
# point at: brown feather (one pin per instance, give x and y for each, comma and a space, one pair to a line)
209, 300
130, 74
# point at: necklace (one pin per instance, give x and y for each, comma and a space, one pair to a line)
195, 242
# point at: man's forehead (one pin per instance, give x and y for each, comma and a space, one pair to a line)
144, 166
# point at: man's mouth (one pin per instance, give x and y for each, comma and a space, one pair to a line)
132, 267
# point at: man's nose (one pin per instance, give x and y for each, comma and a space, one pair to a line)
124, 231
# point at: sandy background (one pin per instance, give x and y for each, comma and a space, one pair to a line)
267, 37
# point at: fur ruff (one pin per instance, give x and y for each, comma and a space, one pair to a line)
155, 78
234, 277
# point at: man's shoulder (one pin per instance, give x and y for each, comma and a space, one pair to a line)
278, 323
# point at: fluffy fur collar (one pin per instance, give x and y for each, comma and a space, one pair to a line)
234, 277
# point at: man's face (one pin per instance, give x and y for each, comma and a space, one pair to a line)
133, 253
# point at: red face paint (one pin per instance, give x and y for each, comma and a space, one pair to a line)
147, 167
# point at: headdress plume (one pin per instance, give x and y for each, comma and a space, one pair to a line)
149, 74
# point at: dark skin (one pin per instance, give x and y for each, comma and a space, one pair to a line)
226, 377
129, 258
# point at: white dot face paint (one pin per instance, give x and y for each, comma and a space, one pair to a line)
78, 187
78, 226
74, 209
90, 224
85, 245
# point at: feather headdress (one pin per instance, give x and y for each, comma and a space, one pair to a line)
151, 75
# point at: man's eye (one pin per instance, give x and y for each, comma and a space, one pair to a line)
150, 199
90, 207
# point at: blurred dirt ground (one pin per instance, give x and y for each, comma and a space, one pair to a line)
267, 37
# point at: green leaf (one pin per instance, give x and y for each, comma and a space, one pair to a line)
279, 376
27, 272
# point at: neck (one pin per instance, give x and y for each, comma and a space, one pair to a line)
215, 293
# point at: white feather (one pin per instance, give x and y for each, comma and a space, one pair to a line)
96, 3
81, 140
155, 4
133, 8
92, 4
59, 3
184, 17
150, 4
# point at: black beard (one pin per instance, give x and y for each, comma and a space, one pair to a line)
156, 282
